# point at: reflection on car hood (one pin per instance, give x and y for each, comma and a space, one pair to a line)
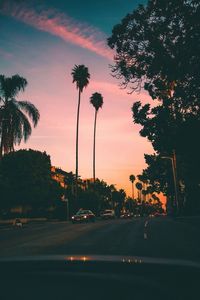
104, 259
103, 214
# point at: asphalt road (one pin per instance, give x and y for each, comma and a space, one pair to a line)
160, 237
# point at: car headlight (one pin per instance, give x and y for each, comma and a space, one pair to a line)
85, 217
73, 217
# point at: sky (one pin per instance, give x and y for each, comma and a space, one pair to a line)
42, 41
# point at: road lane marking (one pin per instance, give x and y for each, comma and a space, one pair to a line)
145, 230
145, 236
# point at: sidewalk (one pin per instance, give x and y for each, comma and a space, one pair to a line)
23, 220
192, 220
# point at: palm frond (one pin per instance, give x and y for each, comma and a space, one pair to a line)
31, 110
96, 100
81, 76
15, 126
11, 86
15, 116
20, 125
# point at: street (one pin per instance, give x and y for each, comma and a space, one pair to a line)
160, 237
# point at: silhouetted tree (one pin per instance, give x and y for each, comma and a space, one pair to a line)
15, 115
25, 180
118, 197
81, 77
144, 180
158, 44
160, 176
158, 48
70, 181
97, 101
132, 179
139, 188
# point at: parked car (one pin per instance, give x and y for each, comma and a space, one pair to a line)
83, 216
137, 216
159, 214
17, 223
126, 215
108, 214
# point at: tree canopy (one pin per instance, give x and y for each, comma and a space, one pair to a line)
157, 46
158, 49
25, 179
81, 76
96, 100
15, 116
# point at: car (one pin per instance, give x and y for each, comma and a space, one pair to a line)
83, 216
108, 214
151, 216
136, 215
125, 215
17, 223
157, 215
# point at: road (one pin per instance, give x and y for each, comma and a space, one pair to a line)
159, 237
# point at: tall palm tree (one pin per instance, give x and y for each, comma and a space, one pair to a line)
81, 77
139, 188
97, 101
144, 181
15, 116
132, 179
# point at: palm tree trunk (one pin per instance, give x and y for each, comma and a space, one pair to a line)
132, 190
77, 132
94, 145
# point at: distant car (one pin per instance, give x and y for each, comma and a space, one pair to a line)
83, 216
126, 215
17, 223
136, 215
157, 215
108, 214
151, 216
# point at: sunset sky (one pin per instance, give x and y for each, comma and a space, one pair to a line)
42, 41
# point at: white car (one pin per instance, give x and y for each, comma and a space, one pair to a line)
108, 214
17, 223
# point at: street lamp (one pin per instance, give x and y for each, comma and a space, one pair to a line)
174, 169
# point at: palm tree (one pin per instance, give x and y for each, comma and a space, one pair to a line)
15, 116
144, 181
139, 187
97, 101
81, 77
132, 179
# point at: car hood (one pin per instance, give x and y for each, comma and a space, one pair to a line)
107, 214
106, 259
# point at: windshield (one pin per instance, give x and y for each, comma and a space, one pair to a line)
100, 118
83, 212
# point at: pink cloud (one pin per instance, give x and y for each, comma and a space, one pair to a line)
60, 25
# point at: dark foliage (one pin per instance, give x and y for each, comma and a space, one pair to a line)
158, 49
25, 179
